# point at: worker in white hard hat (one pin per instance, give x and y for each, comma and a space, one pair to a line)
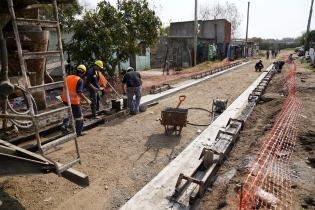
132, 87
75, 88
93, 86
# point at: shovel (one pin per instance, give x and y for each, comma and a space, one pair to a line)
182, 98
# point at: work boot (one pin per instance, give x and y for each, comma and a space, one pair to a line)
132, 112
64, 130
83, 133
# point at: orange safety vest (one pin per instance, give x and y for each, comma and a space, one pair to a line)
102, 80
72, 81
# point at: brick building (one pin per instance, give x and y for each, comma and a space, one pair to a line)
179, 44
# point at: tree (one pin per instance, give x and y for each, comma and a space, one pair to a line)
112, 34
227, 11
67, 13
310, 38
257, 40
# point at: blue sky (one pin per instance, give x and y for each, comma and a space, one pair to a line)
268, 18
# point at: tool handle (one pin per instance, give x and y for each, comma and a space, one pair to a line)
181, 99
114, 90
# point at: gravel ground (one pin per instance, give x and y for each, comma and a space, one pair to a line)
234, 170
122, 156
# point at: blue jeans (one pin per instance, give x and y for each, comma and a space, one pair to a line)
134, 105
95, 105
78, 118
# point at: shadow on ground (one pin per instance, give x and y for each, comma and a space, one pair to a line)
156, 142
8, 202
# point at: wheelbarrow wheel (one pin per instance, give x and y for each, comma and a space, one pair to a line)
178, 130
168, 131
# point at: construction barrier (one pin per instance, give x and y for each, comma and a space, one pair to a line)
268, 184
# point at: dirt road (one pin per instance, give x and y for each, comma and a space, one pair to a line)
122, 156
233, 171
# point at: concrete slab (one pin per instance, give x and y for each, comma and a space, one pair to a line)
183, 85
155, 195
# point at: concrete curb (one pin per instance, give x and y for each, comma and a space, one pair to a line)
155, 195
184, 85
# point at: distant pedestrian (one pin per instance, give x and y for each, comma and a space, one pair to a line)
132, 86
273, 53
167, 67
267, 54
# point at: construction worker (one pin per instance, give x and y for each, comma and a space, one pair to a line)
93, 86
75, 87
132, 86
278, 65
103, 84
259, 66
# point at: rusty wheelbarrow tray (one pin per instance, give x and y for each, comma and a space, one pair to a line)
174, 119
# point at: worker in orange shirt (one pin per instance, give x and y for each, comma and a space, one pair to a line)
75, 87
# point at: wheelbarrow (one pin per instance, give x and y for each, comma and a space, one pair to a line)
174, 119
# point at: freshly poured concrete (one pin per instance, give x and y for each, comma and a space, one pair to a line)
181, 86
155, 195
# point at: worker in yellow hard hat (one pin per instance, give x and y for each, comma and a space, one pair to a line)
93, 86
99, 64
75, 88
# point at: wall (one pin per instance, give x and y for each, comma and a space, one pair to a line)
206, 28
143, 62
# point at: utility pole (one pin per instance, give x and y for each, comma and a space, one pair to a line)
196, 32
246, 40
307, 42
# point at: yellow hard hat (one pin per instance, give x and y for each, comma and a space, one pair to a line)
99, 64
81, 67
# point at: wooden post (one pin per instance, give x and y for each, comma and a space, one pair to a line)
165, 59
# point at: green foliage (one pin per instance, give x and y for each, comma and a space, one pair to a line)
111, 33
257, 40
310, 37
67, 13
301, 39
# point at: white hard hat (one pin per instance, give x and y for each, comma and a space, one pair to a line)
130, 69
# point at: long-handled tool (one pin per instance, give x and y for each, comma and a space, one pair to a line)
114, 90
182, 98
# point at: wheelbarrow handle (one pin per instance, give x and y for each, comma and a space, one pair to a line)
181, 99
